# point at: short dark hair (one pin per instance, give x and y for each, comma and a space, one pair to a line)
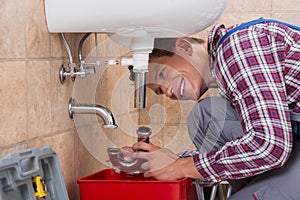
165, 47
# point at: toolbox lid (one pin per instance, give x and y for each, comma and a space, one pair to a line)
32, 174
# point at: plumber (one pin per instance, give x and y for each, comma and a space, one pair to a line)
246, 135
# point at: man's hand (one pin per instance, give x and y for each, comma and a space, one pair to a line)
163, 164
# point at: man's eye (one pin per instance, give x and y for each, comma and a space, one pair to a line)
162, 73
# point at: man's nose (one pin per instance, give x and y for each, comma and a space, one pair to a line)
167, 91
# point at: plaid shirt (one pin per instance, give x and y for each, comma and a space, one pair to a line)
258, 70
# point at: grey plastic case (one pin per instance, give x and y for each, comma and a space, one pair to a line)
32, 174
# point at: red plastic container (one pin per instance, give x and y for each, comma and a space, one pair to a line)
108, 185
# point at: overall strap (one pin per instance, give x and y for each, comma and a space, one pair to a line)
253, 22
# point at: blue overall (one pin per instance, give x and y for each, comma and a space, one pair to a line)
253, 22
213, 122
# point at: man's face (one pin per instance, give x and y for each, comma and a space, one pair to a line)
175, 77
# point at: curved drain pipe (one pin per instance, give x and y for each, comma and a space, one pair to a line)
117, 160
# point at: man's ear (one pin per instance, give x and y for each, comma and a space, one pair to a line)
183, 45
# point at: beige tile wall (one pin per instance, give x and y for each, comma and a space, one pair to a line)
33, 103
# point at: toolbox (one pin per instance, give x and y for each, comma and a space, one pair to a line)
107, 184
32, 174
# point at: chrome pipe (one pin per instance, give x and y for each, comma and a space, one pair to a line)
140, 90
80, 46
104, 113
67, 46
117, 160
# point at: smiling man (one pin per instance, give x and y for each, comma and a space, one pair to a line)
248, 133
177, 78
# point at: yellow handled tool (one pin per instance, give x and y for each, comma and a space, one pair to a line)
39, 186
